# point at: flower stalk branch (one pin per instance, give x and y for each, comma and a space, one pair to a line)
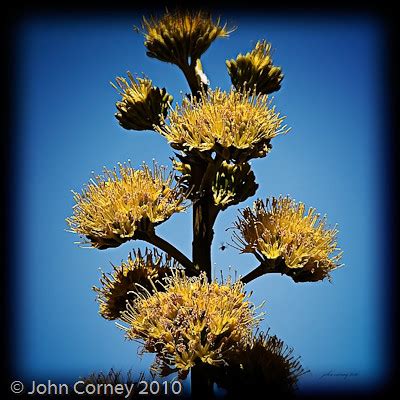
170, 249
266, 267
195, 77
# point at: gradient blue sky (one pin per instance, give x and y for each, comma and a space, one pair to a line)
330, 160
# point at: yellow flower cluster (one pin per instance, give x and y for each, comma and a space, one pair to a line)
255, 70
236, 125
283, 229
113, 207
264, 362
138, 272
233, 184
181, 37
142, 103
192, 321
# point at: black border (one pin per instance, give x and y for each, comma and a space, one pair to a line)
12, 240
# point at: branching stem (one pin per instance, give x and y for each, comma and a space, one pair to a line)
266, 267
170, 249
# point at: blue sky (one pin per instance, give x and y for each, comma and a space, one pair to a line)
332, 160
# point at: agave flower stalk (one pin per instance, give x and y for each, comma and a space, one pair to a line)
236, 126
169, 302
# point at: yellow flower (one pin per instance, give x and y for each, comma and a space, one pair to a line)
282, 230
192, 321
114, 207
255, 70
264, 363
181, 37
118, 287
236, 125
142, 103
233, 184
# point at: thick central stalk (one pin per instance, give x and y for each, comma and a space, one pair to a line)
189, 70
204, 215
201, 382
202, 235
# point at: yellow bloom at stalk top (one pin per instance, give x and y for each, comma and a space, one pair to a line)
143, 105
283, 230
255, 70
139, 271
192, 321
114, 207
236, 125
181, 37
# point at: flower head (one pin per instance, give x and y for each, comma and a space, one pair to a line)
114, 207
142, 103
236, 125
181, 37
283, 230
192, 321
264, 362
138, 272
255, 70
233, 184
